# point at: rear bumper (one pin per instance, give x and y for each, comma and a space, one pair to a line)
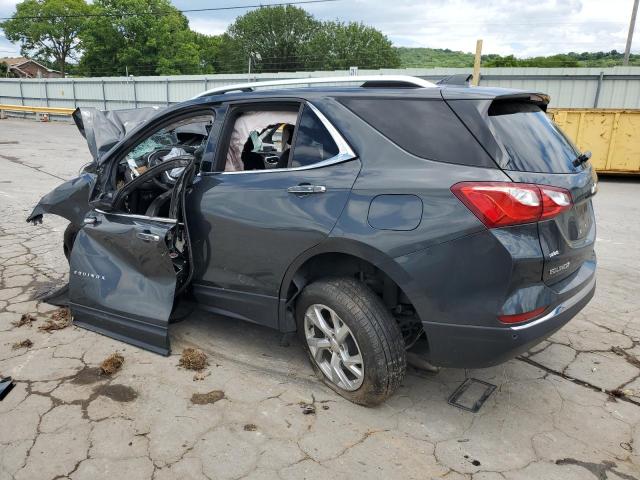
471, 346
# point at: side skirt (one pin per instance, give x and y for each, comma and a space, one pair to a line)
122, 328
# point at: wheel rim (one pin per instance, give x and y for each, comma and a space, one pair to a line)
333, 347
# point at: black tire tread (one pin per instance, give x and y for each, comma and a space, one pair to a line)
367, 309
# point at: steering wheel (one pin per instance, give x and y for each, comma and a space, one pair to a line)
157, 170
165, 181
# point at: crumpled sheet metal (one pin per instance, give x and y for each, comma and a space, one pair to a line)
69, 200
103, 129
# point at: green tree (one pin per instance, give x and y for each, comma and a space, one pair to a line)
3, 69
141, 37
209, 47
338, 46
278, 35
48, 29
500, 61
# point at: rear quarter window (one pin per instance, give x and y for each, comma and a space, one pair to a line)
532, 142
426, 128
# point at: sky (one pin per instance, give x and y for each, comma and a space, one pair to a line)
524, 28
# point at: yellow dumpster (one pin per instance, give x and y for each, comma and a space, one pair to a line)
612, 136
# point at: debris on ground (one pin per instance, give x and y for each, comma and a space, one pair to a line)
325, 407
61, 315
26, 319
111, 364
250, 427
193, 359
60, 319
23, 344
201, 375
207, 398
308, 408
616, 393
619, 393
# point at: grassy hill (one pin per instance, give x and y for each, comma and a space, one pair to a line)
436, 57
433, 57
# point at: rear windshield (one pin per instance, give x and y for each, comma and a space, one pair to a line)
533, 142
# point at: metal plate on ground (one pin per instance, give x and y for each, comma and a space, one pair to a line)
471, 394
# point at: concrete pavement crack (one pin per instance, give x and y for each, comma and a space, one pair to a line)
577, 381
17, 161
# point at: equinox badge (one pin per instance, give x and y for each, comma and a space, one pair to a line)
97, 276
559, 268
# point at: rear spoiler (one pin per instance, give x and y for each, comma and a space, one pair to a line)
539, 99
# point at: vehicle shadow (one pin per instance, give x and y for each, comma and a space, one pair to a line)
250, 346
260, 349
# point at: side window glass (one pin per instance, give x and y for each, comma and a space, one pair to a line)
313, 142
261, 139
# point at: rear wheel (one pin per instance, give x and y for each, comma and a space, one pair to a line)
353, 341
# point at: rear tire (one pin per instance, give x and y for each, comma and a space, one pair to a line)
366, 362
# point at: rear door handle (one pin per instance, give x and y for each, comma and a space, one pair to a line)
306, 188
148, 237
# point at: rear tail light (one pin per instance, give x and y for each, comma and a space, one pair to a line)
554, 201
521, 317
499, 204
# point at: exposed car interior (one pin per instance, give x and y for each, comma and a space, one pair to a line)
151, 179
148, 173
261, 140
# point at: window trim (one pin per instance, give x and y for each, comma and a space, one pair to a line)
345, 153
137, 216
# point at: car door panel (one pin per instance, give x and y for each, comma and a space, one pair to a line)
122, 280
247, 228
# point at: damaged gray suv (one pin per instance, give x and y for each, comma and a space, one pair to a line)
372, 216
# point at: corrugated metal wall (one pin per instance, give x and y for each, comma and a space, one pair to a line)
617, 87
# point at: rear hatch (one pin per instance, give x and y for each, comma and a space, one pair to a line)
530, 148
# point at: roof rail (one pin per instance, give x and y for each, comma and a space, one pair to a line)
403, 81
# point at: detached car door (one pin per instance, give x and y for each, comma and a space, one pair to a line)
122, 280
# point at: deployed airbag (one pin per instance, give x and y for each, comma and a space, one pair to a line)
245, 124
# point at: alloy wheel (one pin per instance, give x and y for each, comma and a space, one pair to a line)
333, 347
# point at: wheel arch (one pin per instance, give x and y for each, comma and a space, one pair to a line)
340, 257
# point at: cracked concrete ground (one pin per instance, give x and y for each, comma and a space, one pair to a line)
552, 416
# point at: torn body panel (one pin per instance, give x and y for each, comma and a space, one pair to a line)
104, 129
69, 200
122, 279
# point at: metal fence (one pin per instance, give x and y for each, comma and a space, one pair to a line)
617, 87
